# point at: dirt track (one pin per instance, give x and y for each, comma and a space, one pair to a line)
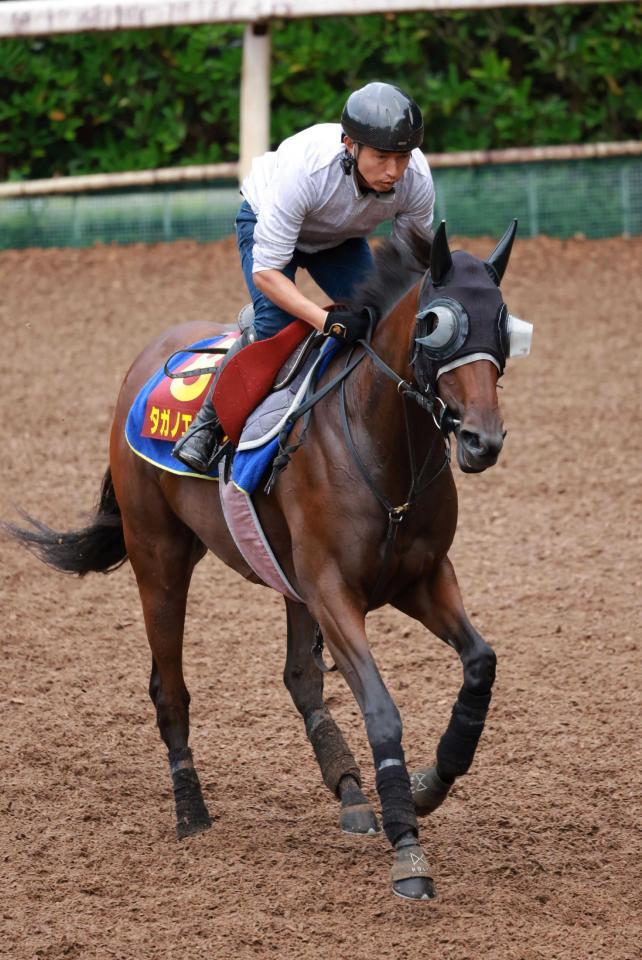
536, 854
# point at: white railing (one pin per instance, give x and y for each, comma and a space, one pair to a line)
230, 171
21, 17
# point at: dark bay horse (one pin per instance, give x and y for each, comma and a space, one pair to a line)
363, 516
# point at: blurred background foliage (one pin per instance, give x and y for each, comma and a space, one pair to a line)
103, 102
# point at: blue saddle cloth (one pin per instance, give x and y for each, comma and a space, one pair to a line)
249, 465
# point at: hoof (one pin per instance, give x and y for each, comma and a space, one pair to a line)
410, 874
359, 818
192, 821
428, 790
416, 888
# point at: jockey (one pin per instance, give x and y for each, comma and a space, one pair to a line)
311, 204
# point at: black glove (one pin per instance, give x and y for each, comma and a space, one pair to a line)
346, 325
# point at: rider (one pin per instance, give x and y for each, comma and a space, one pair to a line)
311, 204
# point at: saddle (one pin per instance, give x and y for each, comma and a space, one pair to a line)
244, 377
292, 367
262, 366
295, 362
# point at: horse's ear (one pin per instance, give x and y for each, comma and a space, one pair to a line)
441, 261
500, 256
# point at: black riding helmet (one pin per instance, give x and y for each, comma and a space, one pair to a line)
382, 116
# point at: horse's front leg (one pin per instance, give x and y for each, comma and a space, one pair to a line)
339, 769
437, 603
342, 621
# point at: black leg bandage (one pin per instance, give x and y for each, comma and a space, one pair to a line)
393, 787
332, 752
457, 746
187, 788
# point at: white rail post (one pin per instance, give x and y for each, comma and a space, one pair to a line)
255, 95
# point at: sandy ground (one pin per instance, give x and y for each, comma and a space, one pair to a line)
536, 853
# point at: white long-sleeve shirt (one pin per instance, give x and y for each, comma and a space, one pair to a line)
302, 198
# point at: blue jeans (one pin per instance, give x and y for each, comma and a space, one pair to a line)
337, 271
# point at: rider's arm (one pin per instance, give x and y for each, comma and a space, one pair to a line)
280, 290
285, 202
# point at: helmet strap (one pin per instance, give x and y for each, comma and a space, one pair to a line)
349, 160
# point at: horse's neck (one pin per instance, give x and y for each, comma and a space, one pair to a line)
393, 337
381, 408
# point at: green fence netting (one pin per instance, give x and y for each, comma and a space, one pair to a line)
591, 198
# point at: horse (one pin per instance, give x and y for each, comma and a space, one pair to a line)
363, 516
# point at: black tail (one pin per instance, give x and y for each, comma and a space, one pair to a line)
98, 548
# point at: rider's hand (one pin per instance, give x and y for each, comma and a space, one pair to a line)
346, 325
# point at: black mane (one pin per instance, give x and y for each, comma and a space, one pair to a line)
397, 268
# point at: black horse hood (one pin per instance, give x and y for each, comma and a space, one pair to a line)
461, 315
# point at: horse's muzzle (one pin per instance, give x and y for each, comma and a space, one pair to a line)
478, 449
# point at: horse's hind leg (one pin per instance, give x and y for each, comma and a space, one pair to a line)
438, 605
304, 682
192, 815
163, 553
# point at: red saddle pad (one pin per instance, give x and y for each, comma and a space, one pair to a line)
248, 377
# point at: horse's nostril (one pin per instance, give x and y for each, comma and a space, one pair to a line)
481, 445
472, 441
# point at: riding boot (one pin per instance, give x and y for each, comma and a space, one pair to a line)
198, 445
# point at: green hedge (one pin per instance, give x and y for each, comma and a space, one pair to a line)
133, 100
